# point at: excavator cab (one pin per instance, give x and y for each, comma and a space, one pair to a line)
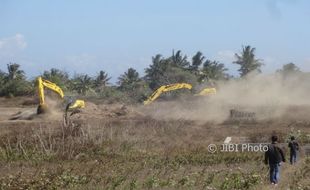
70, 103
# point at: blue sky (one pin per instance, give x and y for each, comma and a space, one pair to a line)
113, 35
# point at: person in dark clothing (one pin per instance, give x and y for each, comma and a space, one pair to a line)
294, 147
274, 156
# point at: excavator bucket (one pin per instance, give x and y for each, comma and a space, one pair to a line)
72, 107
42, 109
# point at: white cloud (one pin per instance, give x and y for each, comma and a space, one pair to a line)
10, 46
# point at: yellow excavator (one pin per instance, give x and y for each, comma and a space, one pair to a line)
166, 88
176, 86
42, 108
207, 92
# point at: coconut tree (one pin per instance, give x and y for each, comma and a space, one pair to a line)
197, 61
82, 83
61, 78
247, 61
179, 60
213, 70
14, 72
129, 79
102, 80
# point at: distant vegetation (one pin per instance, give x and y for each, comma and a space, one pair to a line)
131, 86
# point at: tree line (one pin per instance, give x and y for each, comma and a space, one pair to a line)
131, 87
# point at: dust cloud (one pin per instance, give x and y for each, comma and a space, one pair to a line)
271, 96
54, 111
55, 107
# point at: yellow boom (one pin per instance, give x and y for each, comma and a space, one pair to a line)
52, 86
166, 88
207, 91
42, 84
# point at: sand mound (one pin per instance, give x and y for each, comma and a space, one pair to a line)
24, 115
93, 111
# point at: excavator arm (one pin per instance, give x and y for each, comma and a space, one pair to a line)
42, 84
47, 84
166, 88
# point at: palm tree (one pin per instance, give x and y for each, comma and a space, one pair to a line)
197, 60
82, 84
14, 82
55, 73
14, 72
247, 61
179, 60
102, 80
129, 79
213, 70
165, 71
156, 71
61, 78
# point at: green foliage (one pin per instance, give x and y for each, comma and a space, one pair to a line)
101, 81
14, 72
163, 71
61, 78
111, 94
14, 82
132, 85
2, 81
197, 61
129, 80
60, 178
247, 61
16, 87
240, 181
82, 83
178, 60
213, 71
133, 88
151, 182
155, 72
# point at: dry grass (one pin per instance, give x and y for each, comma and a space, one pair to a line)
140, 153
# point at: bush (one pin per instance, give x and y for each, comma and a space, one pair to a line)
17, 87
